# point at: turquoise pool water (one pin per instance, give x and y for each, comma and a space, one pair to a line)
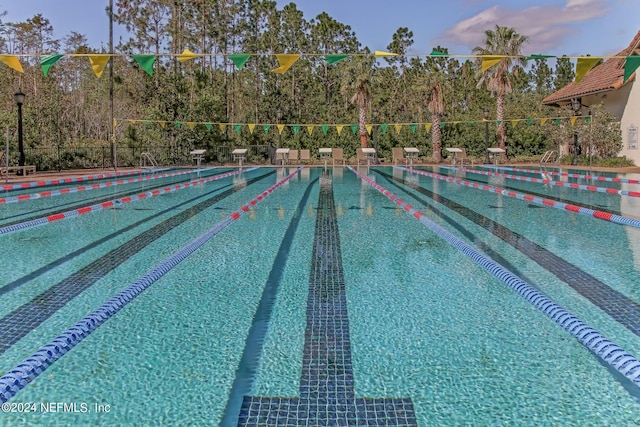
428, 328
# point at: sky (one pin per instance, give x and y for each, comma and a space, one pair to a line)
553, 27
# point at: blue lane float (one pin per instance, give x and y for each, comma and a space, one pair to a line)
611, 353
24, 373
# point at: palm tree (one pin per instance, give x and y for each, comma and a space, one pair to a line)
507, 43
358, 81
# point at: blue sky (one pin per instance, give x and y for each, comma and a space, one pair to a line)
556, 27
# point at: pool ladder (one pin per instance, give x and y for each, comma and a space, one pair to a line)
551, 156
147, 157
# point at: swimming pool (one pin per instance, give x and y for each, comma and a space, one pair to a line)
315, 299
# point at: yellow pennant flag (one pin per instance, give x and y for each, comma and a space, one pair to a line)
280, 128
186, 55
310, 129
98, 62
427, 127
191, 125
286, 61
162, 123
115, 123
543, 121
132, 121
573, 120
584, 65
369, 129
339, 129
382, 53
251, 126
514, 123
223, 127
12, 62
398, 128
490, 61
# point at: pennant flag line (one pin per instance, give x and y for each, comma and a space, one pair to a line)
381, 54
145, 62
490, 61
584, 65
239, 59
186, 55
630, 66
334, 59
47, 61
12, 62
98, 62
285, 61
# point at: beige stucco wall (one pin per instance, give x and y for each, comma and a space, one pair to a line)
631, 118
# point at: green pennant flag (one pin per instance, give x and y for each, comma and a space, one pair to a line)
47, 62
587, 119
442, 125
177, 124
538, 56
558, 121
325, 128
354, 129
471, 122
383, 127
333, 59
529, 121
413, 127
296, 129
147, 122
266, 129
239, 59
437, 53
238, 128
630, 66
208, 126
145, 62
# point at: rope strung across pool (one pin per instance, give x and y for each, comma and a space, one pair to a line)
49, 193
611, 353
27, 185
111, 203
551, 182
618, 219
17, 378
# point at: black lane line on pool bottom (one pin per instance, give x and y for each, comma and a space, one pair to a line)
622, 309
100, 198
44, 269
249, 362
327, 395
15, 325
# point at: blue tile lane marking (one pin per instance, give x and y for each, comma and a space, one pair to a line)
16, 379
611, 353
327, 396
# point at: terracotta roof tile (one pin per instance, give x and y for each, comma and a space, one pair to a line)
602, 78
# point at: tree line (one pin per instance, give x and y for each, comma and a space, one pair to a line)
68, 111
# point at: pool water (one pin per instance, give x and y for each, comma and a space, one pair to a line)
418, 333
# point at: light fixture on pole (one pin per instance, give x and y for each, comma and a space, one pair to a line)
576, 105
486, 136
19, 98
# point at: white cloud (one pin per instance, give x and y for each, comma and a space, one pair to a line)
546, 26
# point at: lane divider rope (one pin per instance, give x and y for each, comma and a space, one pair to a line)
611, 353
618, 219
27, 185
551, 182
569, 175
95, 186
112, 203
25, 372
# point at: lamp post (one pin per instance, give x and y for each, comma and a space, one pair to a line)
486, 136
375, 134
278, 118
576, 105
19, 97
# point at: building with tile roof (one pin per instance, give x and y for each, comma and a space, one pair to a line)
604, 84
